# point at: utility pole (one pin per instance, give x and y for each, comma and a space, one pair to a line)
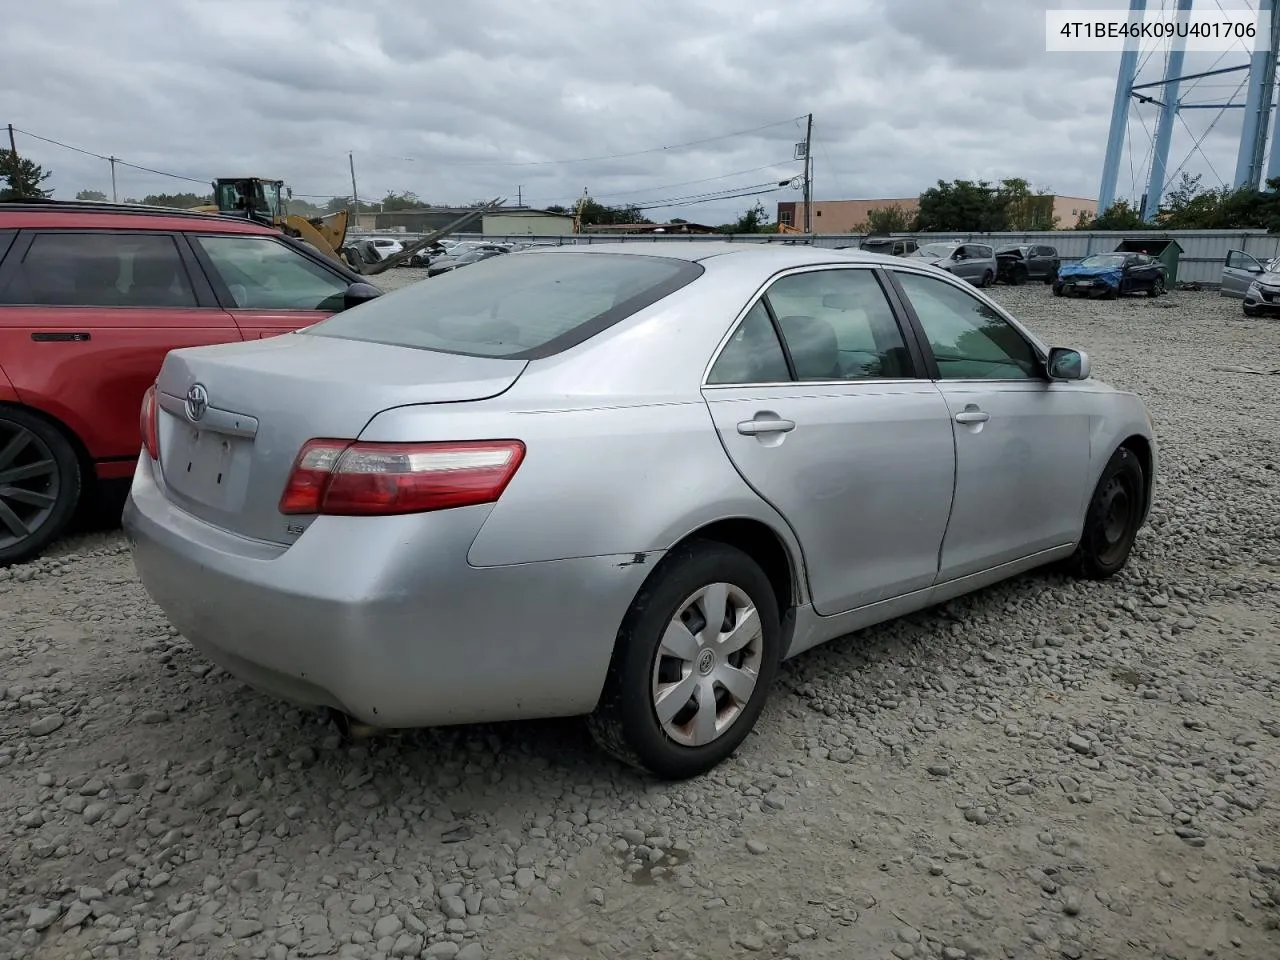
12, 145
808, 173
113, 179
355, 195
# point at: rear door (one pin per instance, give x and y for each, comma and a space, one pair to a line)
819, 401
1240, 271
267, 285
1021, 441
86, 319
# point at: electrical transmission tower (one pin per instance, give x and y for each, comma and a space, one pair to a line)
1252, 159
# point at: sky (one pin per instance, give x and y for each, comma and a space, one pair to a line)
649, 102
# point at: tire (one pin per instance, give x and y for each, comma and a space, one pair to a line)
1019, 276
988, 279
626, 721
1057, 289
1113, 293
40, 484
1157, 287
1250, 311
1112, 521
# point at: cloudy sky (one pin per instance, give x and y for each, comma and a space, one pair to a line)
470, 99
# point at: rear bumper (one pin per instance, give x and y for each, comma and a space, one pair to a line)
382, 617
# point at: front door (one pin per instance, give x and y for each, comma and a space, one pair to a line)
1240, 271
267, 286
1021, 441
839, 432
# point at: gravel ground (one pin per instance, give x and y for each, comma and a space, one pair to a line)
1045, 769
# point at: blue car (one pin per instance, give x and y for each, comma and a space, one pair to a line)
1109, 275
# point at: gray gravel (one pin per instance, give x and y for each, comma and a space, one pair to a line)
1046, 769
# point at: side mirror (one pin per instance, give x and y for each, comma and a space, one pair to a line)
359, 293
1067, 364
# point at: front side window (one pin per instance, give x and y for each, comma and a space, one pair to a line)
101, 270
969, 340
263, 274
753, 354
1239, 260
838, 325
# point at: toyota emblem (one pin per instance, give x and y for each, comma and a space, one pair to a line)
197, 402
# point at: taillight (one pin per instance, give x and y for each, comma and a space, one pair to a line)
148, 423
346, 478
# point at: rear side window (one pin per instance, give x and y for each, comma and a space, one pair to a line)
521, 305
262, 274
100, 270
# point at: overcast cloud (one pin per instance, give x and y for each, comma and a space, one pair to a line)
458, 101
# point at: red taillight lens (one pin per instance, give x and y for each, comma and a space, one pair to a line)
345, 478
148, 423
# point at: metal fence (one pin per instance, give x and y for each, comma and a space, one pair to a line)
1204, 252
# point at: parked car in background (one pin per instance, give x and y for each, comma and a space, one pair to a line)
464, 259
975, 262
92, 297
1255, 282
621, 480
1111, 275
891, 246
1032, 261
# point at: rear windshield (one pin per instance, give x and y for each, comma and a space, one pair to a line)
521, 305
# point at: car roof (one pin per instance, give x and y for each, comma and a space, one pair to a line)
698, 251
86, 213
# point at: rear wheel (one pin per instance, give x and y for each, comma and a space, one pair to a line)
694, 660
39, 484
1111, 525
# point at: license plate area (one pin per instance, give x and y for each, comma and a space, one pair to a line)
205, 466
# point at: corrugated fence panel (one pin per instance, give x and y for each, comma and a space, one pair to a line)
1204, 252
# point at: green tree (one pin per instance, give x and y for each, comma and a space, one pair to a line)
1028, 209
963, 205
22, 178
891, 219
180, 201
594, 213
407, 200
337, 204
755, 220
94, 195
1119, 216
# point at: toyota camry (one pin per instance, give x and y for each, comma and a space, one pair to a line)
621, 481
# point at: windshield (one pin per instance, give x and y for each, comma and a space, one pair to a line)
522, 306
1104, 260
937, 250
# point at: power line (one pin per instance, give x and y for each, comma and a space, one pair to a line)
611, 156
123, 163
668, 186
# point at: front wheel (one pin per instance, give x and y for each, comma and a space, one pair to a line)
1019, 276
39, 484
1057, 289
1111, 524
1157, 287
692, 665
988, 279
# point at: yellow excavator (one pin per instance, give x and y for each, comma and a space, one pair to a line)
265, 202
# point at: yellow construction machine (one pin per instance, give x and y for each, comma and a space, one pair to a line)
262, 200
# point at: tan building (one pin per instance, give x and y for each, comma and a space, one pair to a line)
848, 216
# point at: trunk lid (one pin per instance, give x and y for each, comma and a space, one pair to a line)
257, 402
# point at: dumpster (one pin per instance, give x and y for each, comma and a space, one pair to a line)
1166, 251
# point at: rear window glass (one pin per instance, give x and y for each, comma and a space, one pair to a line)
521, 305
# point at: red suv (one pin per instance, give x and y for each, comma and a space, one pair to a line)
92, 297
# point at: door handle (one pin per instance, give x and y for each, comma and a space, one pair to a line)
972, 416
753, 428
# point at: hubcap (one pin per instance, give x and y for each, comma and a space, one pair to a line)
28, 483
707, 664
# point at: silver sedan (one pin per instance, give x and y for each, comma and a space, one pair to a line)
619, 481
